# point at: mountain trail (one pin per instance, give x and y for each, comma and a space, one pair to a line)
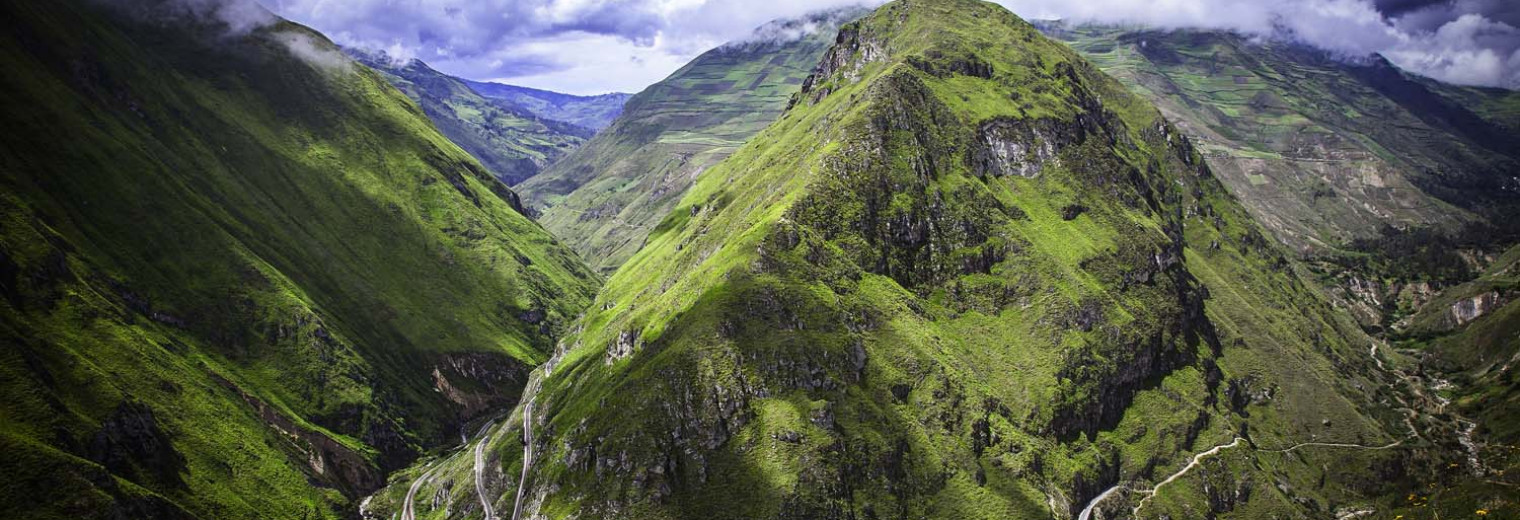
1464, 436
1197, 459
407, 505
480, 464
530, 397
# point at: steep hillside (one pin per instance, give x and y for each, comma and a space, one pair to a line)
1394, 183
594, 112
1323, 151
965, 275
242, 276
1498, 106
511, 141
604, 198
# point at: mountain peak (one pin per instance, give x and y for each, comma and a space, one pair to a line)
963, 275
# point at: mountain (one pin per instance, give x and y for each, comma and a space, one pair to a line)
1325, 150
242, 275
1390, 183
605, 197
965, 274
1398, 189
512, 141
1498, 106
594, 112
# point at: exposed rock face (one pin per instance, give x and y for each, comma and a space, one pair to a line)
627, 341
330, 461
1374, 303
850, 53
1023, 147
479, 382
130, 443
1470, 309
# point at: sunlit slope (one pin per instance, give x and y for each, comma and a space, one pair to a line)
243, 276
604, 198
1324, 151
966, 275
509, 140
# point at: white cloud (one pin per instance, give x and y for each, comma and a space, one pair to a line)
602, 64
318, 54
575, 46
1450, 41
593, 46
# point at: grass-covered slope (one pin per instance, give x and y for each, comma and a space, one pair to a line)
966, 275
1322, 150
1395, 186
511, 141
1472, 331
594, 112
605, 197
242, 276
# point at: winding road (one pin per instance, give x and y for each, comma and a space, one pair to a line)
1087, 511
530, 397
480, 465
527, 458
407, 506
1197, 459
1092, 505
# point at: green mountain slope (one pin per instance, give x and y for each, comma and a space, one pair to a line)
965, 275
1399, 189
1498, 106
242, 276
594, 112
511, 141
605, 197
1322, 151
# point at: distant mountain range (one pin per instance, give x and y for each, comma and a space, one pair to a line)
594, 112
515, 132
607, 196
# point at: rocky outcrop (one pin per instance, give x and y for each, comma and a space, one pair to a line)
130, 443
1023, 147
1468, 310
330, 461
626, 343
479, 382
851, 52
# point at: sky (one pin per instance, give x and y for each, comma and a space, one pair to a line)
598, 46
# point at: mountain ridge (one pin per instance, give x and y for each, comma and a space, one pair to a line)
964, 275
606, 196
512, 141
243, 276
595, 112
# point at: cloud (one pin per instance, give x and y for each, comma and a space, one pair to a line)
576, 46
789, 30
235, 19
1471, 42
318, 54
594, 46
1471, 50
